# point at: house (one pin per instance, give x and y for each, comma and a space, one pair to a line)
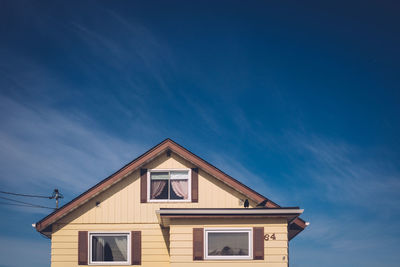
169, 207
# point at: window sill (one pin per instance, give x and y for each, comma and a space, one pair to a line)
231, 260
109, 263
169, 200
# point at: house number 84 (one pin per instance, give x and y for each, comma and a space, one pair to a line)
268, 237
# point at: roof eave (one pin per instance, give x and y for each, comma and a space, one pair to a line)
167, 144
165, 215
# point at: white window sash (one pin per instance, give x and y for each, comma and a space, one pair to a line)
178, 175
149, 179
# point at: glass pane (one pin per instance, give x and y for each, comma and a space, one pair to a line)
159, 175
228, 244
109, 248
159, 189
179, 189
179, 174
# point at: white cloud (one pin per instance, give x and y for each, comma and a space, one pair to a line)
351, 237
237, 170
351, 175
42, 148
352, 200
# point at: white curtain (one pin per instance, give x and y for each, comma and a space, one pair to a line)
98, 249
157, 186
180, 188
122, 245
179, 183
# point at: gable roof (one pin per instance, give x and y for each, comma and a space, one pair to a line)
167, 144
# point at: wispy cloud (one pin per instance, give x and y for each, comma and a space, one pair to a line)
130, 52
350, 233
351, 175
358, 189
45, 143
237, 170
42, 148
350, 236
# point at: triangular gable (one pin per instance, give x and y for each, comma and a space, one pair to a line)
168, 144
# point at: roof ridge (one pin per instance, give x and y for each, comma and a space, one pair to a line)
139, 161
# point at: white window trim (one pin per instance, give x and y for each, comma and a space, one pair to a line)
110, 233
169, 200
228, 230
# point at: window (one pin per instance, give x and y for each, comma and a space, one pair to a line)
228, 244
171, 185
109, 248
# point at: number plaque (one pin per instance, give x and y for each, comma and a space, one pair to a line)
269, 237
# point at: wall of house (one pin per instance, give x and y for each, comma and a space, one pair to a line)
121, 203
64, 245
120, 209
181, 242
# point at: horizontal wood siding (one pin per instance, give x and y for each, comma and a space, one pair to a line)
181, 243
121, 202
119, 209
230, 264
155, 242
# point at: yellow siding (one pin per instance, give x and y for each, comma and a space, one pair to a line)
64, 245
121, 202
120, 209
181, 235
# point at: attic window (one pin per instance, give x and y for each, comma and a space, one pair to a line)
169, 185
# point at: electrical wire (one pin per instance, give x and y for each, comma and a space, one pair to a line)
22, 202
23, 195
23, 205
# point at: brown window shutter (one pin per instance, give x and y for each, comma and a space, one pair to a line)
136, 247
195, 185
258, 243
143, 185
83, 247
198, 244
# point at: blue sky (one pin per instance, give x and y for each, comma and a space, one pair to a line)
300, 101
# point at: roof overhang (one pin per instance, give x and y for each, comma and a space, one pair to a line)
165, 215
167, 145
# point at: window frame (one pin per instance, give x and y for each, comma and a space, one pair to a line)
149, 199
249, 231
110, 233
